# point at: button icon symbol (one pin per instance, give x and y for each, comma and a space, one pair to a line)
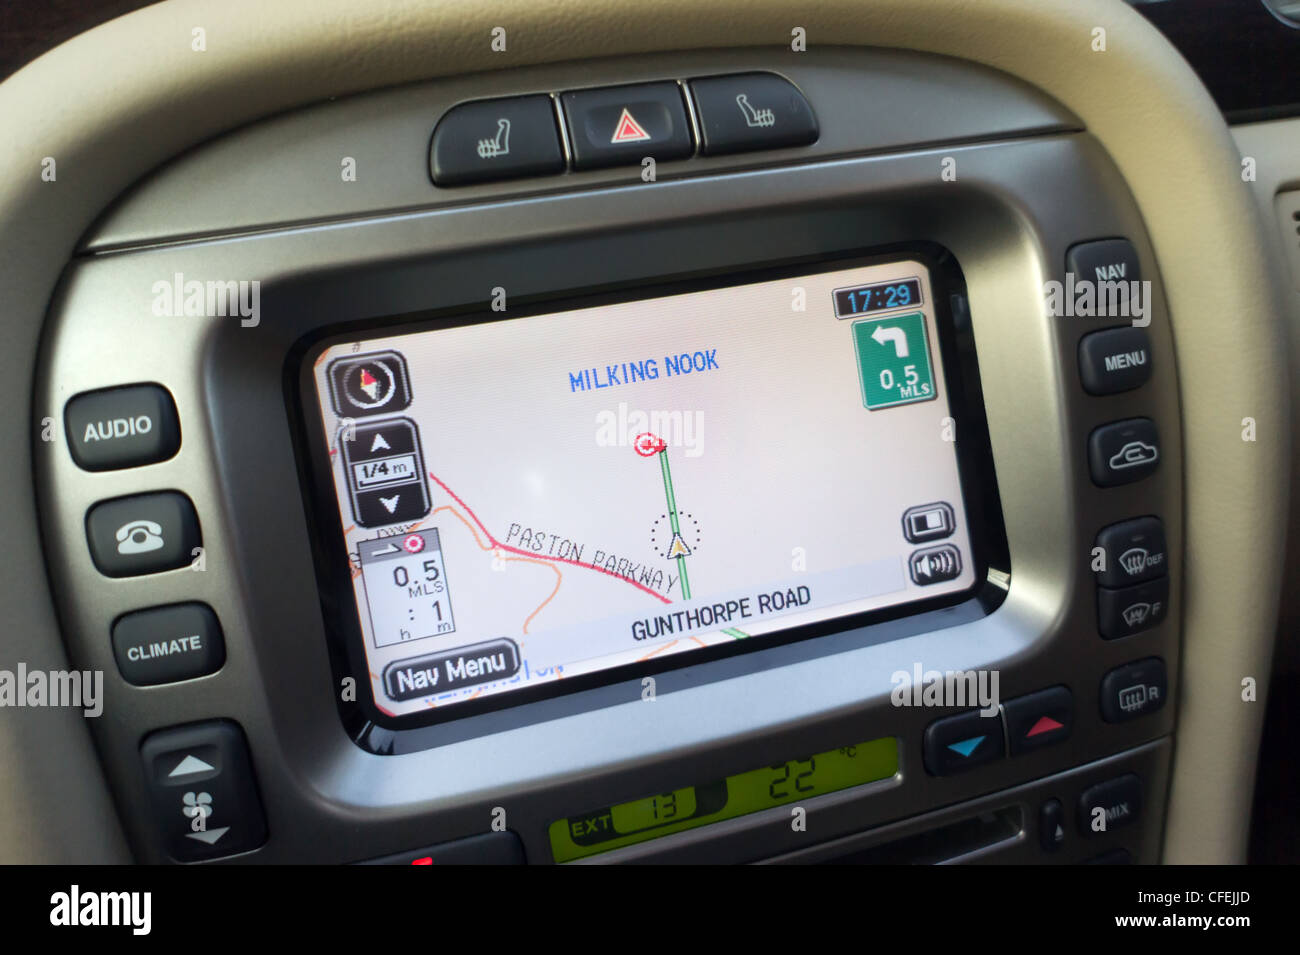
1134, 454
628, 130
763, 118
966, 746
934, 565
197, 807
139, 537
189, 766
928, 522
371, 384
1135, 615
1045, 724
1135, 698
500, 146
1134, 560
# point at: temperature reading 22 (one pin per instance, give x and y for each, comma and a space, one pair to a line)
780, 787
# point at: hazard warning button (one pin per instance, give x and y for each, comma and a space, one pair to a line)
624, 124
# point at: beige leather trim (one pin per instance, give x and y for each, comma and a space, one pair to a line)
114, 103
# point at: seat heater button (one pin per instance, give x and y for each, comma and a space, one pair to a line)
496, 139
751, 111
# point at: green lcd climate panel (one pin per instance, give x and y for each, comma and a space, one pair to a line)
893, 361
692, 806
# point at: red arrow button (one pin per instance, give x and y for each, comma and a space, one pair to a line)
1045, 724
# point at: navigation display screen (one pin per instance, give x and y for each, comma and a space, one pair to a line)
531, 499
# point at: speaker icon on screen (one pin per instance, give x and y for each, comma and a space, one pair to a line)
934, 565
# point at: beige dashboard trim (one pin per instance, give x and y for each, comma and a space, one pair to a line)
116, 102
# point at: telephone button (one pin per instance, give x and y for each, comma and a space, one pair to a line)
143, 533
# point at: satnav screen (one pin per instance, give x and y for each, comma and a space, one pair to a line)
532, 499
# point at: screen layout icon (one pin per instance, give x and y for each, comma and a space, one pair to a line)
371, 384
385, 472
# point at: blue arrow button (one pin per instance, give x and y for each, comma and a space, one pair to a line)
967, 746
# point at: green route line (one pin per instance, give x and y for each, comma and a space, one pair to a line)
677, 530
672, 518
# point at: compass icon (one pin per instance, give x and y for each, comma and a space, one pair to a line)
375, 383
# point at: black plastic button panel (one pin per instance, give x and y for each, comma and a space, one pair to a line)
142, 534
751, 111
1051, 825
1038, 719
1130, 610
1123, 452
1134, 552
1119, 801
621, 125
204, 797
1103, 260
955, 744
1133, 690
1114, 360
496, 139
517, 136
122, 427
168, 644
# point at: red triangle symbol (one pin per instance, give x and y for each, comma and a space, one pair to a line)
628, 130
1045, 724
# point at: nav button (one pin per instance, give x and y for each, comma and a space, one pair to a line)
452, 669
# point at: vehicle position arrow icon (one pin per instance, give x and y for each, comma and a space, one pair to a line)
893, 334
